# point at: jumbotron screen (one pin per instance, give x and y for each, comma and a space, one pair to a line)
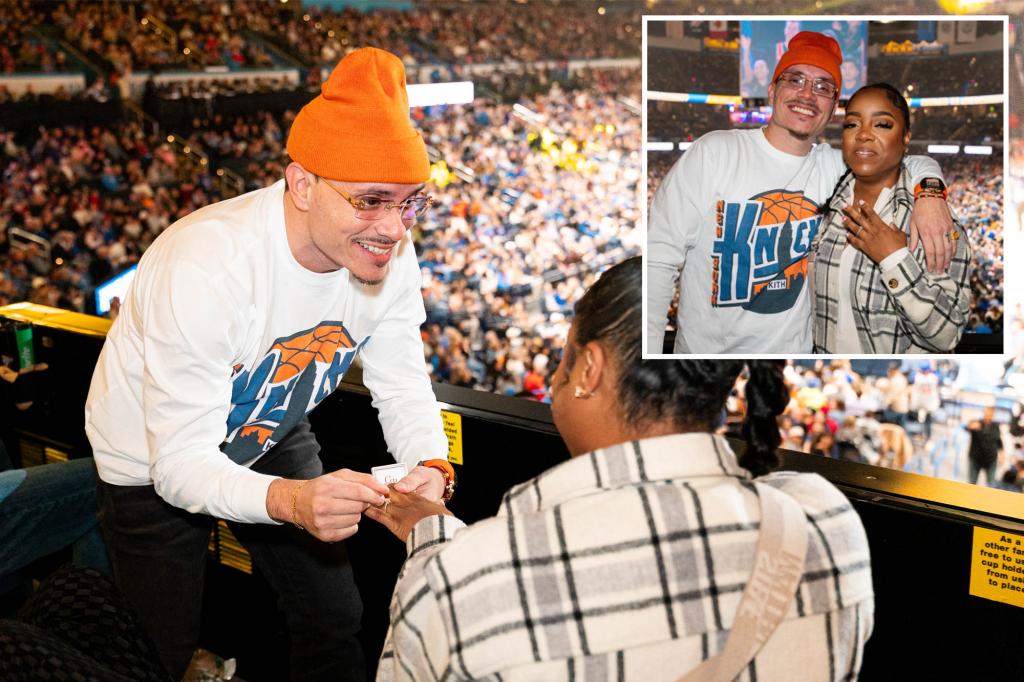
762, 44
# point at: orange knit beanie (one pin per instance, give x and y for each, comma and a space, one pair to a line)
358, 128
816, 49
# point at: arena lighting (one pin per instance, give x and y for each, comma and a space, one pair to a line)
464, 174
696, 98
658, 146
943, 148
523, 112
982, 149
429, 94
954, 101
683, 146
629, 103
914, 102
964, 6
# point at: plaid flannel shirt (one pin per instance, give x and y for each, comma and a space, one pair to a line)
904, 309
626, 563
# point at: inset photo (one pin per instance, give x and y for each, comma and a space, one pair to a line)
824, 185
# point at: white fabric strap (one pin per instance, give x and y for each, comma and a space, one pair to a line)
778, 569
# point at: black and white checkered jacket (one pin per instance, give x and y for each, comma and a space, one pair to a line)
625, 564
904, 309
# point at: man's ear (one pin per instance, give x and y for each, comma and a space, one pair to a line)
299, 184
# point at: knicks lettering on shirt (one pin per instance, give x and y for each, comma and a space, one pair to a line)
298, 372
759, 256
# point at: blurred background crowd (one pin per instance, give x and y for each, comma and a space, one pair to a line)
924, 416
538, 178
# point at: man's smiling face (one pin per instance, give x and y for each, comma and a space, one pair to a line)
343, 240
801, 113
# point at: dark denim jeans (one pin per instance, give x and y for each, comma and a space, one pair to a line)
54, 507
974, 470
159, 555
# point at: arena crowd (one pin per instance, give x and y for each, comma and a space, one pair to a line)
898, 414
523, 198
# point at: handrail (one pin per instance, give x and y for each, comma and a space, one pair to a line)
188, 150
133, 107
162, 29
229, 183
171, 36
232, 184
97, 70
631, 104
971, 502
27, 237
274, 48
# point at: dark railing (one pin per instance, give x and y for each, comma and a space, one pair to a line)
920, 529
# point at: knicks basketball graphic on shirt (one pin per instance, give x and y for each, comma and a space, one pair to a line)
292, 378
759, 256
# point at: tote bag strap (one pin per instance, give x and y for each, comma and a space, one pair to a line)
778, 569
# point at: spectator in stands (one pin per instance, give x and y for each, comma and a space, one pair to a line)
646, 462
872, 294
743, 287
239, 321
194, 36
897, 396
754, 73
823, 443
986, 444
1013, 478
924, 397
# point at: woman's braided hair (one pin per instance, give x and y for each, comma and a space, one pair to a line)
690, 394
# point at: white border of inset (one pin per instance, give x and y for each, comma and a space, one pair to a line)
1009, 282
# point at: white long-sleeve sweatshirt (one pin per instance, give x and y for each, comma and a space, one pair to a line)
225, 342
735, 218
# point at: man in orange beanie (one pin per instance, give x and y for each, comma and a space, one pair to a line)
735, 218
243, 316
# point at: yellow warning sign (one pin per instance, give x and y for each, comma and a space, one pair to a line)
997, 566
453, 429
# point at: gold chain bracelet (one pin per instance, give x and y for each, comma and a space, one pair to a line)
295, 500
